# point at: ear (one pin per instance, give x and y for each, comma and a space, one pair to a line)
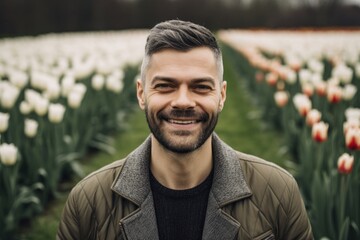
140, 93
222, 95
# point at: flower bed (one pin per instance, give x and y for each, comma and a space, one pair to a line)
306, 84
59, 95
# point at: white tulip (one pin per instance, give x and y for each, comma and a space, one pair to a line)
4, 122
56, 112
8, 154
315, 78
290, 76
67, 85
349, 91
31, 127
19, 79
41, 106
25, 107
74, 99
9, 96
53, 90
118, 73
97, 82
343, 73
79, 88
304, 75
84, 69
316, 66
32, 96
38, 80
114, 84
103, 67
352, 113
333, 81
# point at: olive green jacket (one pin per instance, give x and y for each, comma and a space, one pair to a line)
249, 199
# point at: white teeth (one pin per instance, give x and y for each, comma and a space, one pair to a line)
182, 122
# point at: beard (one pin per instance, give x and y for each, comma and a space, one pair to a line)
181, 141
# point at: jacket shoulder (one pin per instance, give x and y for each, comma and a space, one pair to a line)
268, 181
275, 194
264, 169
115, 166
97, 185
102, 177
89, 204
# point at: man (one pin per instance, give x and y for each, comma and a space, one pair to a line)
183, 182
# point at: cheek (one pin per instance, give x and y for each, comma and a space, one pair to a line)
160, 99
155, 103
211, 104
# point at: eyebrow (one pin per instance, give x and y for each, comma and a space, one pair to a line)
192, 81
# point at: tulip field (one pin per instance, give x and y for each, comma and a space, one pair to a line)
59, 95
307, 86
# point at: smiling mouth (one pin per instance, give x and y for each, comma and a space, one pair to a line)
182, 122
183, 117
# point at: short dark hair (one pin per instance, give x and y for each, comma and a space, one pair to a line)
182, 36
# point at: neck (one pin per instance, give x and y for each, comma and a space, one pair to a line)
180, 171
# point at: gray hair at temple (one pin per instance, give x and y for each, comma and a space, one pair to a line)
182, 36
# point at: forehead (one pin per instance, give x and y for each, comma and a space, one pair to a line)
196, 63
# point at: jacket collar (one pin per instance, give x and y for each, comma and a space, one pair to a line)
228, 186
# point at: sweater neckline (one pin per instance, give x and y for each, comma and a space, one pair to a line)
161, 189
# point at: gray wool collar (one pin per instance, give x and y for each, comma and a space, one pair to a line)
228, 185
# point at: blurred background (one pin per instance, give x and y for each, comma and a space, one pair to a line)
32, 17
68, 102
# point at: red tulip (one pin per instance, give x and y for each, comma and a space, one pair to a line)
320, 131
281, 98
351, 123
352, 138
345, 163
308, 89
271, 78
334, 93
314, 116
321, 88
302, 103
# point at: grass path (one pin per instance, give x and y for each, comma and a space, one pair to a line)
238, 126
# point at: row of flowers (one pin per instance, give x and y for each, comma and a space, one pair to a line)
59, 95
306, 84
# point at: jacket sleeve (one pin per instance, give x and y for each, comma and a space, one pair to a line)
77, 207
297, 224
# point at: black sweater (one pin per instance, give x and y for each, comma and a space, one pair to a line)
180, 214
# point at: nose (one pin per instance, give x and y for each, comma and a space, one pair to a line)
183, 99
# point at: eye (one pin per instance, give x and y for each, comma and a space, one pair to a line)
164, 87
202, 88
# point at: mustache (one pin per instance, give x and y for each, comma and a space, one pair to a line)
183, 113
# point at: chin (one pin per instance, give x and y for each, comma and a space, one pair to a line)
181, 143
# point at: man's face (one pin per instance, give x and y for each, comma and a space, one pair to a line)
182, 97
